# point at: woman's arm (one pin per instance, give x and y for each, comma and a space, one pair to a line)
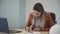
50, 21
28, 22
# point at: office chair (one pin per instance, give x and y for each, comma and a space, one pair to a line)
53, 17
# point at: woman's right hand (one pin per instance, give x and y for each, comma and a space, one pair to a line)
28, 29
37, 29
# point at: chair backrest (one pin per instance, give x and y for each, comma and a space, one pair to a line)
53, 17
4, 25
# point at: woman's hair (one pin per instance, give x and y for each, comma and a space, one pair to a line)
38, 7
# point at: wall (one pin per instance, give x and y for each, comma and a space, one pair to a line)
10, 10
49, 5
58, 13
14, 11
22, 13
0, 6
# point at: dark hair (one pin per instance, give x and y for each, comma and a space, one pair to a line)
38, 7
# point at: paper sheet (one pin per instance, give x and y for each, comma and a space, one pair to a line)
33, 33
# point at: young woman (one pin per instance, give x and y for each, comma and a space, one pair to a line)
39, 19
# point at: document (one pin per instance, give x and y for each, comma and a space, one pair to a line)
33, 33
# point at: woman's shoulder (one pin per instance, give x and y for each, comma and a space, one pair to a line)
31, 13
48, 13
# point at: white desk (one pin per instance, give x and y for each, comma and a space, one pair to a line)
2, 33
23, 32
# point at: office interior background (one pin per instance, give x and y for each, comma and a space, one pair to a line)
17, 11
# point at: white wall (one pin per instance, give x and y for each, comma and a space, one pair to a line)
14, 11
49, 5
10, 10
22, 13
0, 7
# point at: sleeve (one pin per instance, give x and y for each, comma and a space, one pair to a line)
50, 21
29, 20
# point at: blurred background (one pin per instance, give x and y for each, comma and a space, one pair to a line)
17, 11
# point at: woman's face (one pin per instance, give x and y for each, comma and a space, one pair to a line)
36, 13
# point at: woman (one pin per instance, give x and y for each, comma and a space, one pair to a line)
39, 19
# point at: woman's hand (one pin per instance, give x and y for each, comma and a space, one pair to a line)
28, 29
37, 29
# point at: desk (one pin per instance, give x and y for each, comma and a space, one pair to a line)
23, 32
2, 33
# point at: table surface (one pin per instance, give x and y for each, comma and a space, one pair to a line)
23, 32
